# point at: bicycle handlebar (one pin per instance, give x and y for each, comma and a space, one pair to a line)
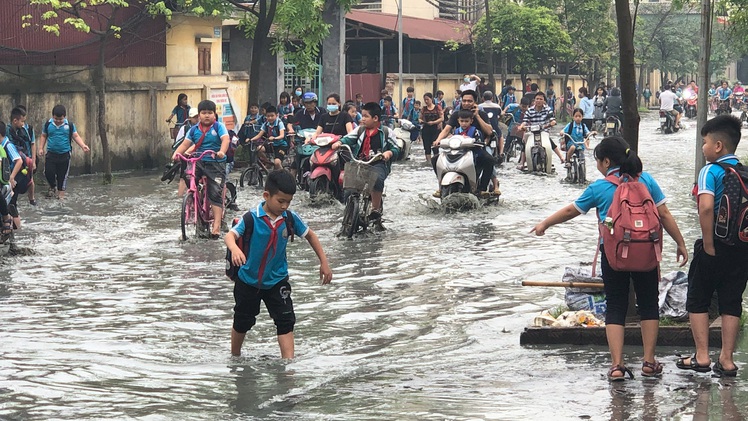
374, 159
193, 157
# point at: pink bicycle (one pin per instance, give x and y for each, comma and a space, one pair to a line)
196, 209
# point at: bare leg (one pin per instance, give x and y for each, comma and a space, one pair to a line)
700, 332
277, 164
558, 154
614, 334
286, 345
237, 339
649, 329
376, 200
570, 152
61, 194
182, 188
32, 196
217, 218
730, 329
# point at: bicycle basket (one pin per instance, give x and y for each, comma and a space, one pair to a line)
359, 177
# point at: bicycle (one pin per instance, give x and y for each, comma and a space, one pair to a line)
358, 182
255, 172
576, 172
196, 208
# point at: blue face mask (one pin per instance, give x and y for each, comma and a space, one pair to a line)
467, 80
298, 93
332, 108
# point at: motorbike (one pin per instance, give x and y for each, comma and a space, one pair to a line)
455, 166
612, 126
402, 139
322, 161
304, 151
690, 108
667, 123
740, 105
538, 150
724, 107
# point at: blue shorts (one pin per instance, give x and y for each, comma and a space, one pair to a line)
580, 147
381, 169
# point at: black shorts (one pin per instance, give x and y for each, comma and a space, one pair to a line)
215, 172
278, 151
726, 273
381, 169
277, 300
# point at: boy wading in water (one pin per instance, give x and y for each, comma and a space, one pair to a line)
263, 275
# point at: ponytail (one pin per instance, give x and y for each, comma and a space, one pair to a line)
620, 154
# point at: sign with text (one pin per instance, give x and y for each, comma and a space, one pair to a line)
224, 110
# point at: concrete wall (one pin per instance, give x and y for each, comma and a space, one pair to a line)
414, 8
182, 45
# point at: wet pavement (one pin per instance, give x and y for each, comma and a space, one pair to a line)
112, 317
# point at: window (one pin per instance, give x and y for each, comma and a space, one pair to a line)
369, 5
225, 57
203, 59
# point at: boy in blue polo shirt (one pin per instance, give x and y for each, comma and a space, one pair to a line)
263, 275
209, 135
716, 266
58, 136
273, 129
17, 163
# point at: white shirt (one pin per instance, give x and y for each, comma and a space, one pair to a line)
667, 100
472, 85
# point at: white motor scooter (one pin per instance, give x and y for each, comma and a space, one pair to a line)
538, 151
402, 139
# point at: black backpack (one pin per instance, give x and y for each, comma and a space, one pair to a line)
232, 271
731, 222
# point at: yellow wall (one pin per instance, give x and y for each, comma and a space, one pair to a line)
181, 45
414, 8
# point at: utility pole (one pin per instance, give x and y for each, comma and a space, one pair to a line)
489, 35
702, 104
400, 49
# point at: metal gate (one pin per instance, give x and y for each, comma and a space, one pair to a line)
291, 80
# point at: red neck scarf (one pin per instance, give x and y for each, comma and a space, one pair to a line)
366, 147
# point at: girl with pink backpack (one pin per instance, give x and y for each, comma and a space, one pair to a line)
631, 213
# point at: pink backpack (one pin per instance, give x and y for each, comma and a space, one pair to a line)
632, 230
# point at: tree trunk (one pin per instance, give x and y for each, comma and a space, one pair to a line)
641, 85
489, 33
100, 83
504, 67
564, 113
259, 44
702, 105
627, 74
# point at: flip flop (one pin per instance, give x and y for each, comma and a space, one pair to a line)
656, 368
719, 370
692, 365
623, 370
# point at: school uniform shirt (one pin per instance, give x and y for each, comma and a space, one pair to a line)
58, 137
408, 107
10, 149
273, 130
470, 132
211, 142
600, 194
267, 247
711, 177
578, 133
181, 113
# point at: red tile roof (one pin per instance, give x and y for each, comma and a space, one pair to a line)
441, 30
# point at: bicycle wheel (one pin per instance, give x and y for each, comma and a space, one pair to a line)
365, 212
202, 216
249, 176
581, 173
351, 216
188, 212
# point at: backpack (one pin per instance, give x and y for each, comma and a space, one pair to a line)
71, 126
731, 222
232, 271
632, 231
6, 166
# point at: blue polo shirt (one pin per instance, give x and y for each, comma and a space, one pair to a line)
711, 176
600, 194
578, 131
58, 137
273, 130
212, 141
275, 266
10, 149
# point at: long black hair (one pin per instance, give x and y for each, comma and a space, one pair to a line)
620, 154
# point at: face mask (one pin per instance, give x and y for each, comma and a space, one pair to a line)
332, 108
467, 80
298, 93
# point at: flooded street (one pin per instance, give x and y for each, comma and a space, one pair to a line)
112, 317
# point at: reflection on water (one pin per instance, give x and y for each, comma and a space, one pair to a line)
113, 317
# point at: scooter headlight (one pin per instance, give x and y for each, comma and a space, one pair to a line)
455, 142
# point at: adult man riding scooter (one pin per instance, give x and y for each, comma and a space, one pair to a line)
668, 101
483, 159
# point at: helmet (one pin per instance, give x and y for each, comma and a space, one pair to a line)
192, 112
309, 97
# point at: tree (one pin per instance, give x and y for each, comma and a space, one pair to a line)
589, 27
628, 73
531, 36
296, 28
104, 19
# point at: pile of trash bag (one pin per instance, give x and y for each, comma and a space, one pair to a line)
568, 319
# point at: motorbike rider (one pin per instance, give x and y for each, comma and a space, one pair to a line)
668, 101
724, 93
539, 114
481, 122
334, 122
308, 117
738, 93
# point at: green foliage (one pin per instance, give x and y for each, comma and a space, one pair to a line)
533, 36
299, 33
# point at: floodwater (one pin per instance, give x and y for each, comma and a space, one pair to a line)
113, 318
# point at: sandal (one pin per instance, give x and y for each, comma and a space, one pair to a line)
7, 227
720, 371
692, 365
623, 370
656, 368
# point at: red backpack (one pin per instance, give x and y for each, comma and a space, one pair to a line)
632, 230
